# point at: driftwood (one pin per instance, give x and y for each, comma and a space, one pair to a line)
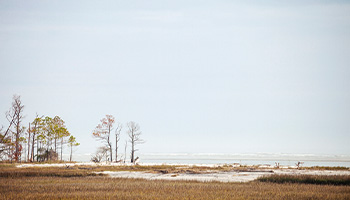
298, 164
163, 171
277, 164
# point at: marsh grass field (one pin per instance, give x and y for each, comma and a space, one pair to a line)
85, 182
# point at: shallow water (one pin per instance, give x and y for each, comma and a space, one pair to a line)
250, 159
242, 159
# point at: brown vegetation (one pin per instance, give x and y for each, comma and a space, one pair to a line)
308, 179
108, 188
12, 172
80, 182
325, 168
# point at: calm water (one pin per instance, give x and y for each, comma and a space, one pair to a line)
243, 159
249, 159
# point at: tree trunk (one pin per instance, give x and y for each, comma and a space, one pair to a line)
17, 143
61, 148
111, 151
47, 153
37, 151
25, 153
32, 154
29, 143
132, 151
55, 145
71, 150
116, 149
110, 145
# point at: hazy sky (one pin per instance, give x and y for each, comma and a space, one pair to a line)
198, 76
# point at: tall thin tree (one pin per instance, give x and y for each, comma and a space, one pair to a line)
29, 141
134, 134
72, 143
15, 117
117, 138
36, 126
103, 132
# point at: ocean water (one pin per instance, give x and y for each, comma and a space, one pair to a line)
248, 159
242, 159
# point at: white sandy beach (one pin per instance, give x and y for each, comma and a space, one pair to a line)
214, 176
232, 176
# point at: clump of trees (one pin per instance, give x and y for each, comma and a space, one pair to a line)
103, 132
43, 139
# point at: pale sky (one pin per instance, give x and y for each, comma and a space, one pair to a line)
198, 76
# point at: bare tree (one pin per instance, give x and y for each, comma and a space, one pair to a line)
117, 138
15, 117
5, 138
134, 138
100, 154
103, 132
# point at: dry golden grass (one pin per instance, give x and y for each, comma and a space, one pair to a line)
8, 168
113, 188
13, 172
308, 179
325, 168
82, 183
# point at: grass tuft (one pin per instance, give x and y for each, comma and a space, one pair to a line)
325, 168
47, 171
308, 179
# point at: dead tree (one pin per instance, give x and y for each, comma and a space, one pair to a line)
103, 132
134, 134
100, 154
5, 136
15, 117
298, 164
117, 138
